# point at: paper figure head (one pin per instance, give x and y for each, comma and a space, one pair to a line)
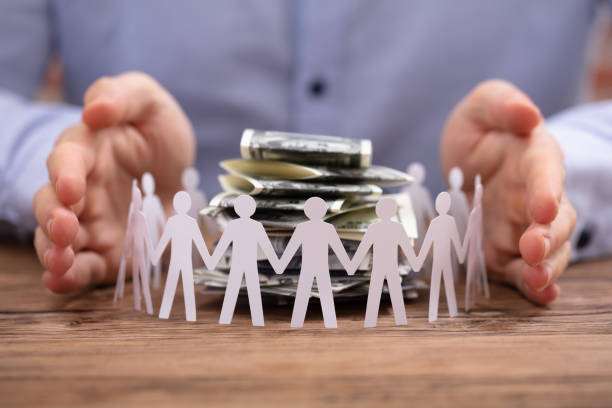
181, 202
148, 183
443, 201
417, 170
455, 178
136, 197
190, 178
244, 206
315, 208
478, 194
386, 208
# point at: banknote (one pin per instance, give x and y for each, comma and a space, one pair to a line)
316, 150
226, 200
288, 188
275, 170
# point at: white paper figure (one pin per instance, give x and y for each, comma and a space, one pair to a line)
385, 237
472, 247
156, 220
441, 233
245, 234
119, 286
459, 209
137, 236
191, 182
315, 237
422, 202
182, 230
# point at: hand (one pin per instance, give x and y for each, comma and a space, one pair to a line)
498, 132
130, 125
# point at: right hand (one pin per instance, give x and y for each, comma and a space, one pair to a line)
131, 124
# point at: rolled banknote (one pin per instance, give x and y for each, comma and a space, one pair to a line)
288, 188
277, 170
226, 200
316, 150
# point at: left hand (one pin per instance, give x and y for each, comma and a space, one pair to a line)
499, 133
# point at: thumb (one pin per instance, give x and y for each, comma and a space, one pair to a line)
498, 105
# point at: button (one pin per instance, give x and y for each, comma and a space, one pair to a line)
317, 87
585, 237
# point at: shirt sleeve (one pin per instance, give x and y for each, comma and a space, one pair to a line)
27, 129
585, 136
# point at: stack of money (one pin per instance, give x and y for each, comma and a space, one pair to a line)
281, 171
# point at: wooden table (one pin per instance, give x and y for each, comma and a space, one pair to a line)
72, 351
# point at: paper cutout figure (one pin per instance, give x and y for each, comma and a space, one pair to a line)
156, 220
441, 233
245, 234
191, 181
315, 236
422, 202
476, 276
459, 209
137, 236
385, 237
120, 285
182, 230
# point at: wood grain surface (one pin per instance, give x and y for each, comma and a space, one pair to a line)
87, 350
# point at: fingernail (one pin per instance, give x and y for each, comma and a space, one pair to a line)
50, 227
548, 271
546, 246
45, 256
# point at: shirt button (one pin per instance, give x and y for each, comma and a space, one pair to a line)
585, 237
317, 87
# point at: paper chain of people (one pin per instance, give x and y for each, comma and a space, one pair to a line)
146, 220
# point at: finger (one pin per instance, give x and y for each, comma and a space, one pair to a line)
126, 98
58, 223
545, 175
69, 164
55, 259
514, 276
548, 271
538, 241
499, 105
87, 270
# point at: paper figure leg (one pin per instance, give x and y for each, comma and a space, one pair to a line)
146, 291
483, 274
231, 295
449, 288
120, 280
252, 282
189, 294
301, 299
327, 300
170, 289
469, 283
136, 283
397, 299
376, 284
434, 293
157, 276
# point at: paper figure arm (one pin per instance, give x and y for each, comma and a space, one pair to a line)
425, 247
290, 250
364, 247
161, 244
408, 250
198, 241
266, 246
222, 245
336, 244
454, 236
